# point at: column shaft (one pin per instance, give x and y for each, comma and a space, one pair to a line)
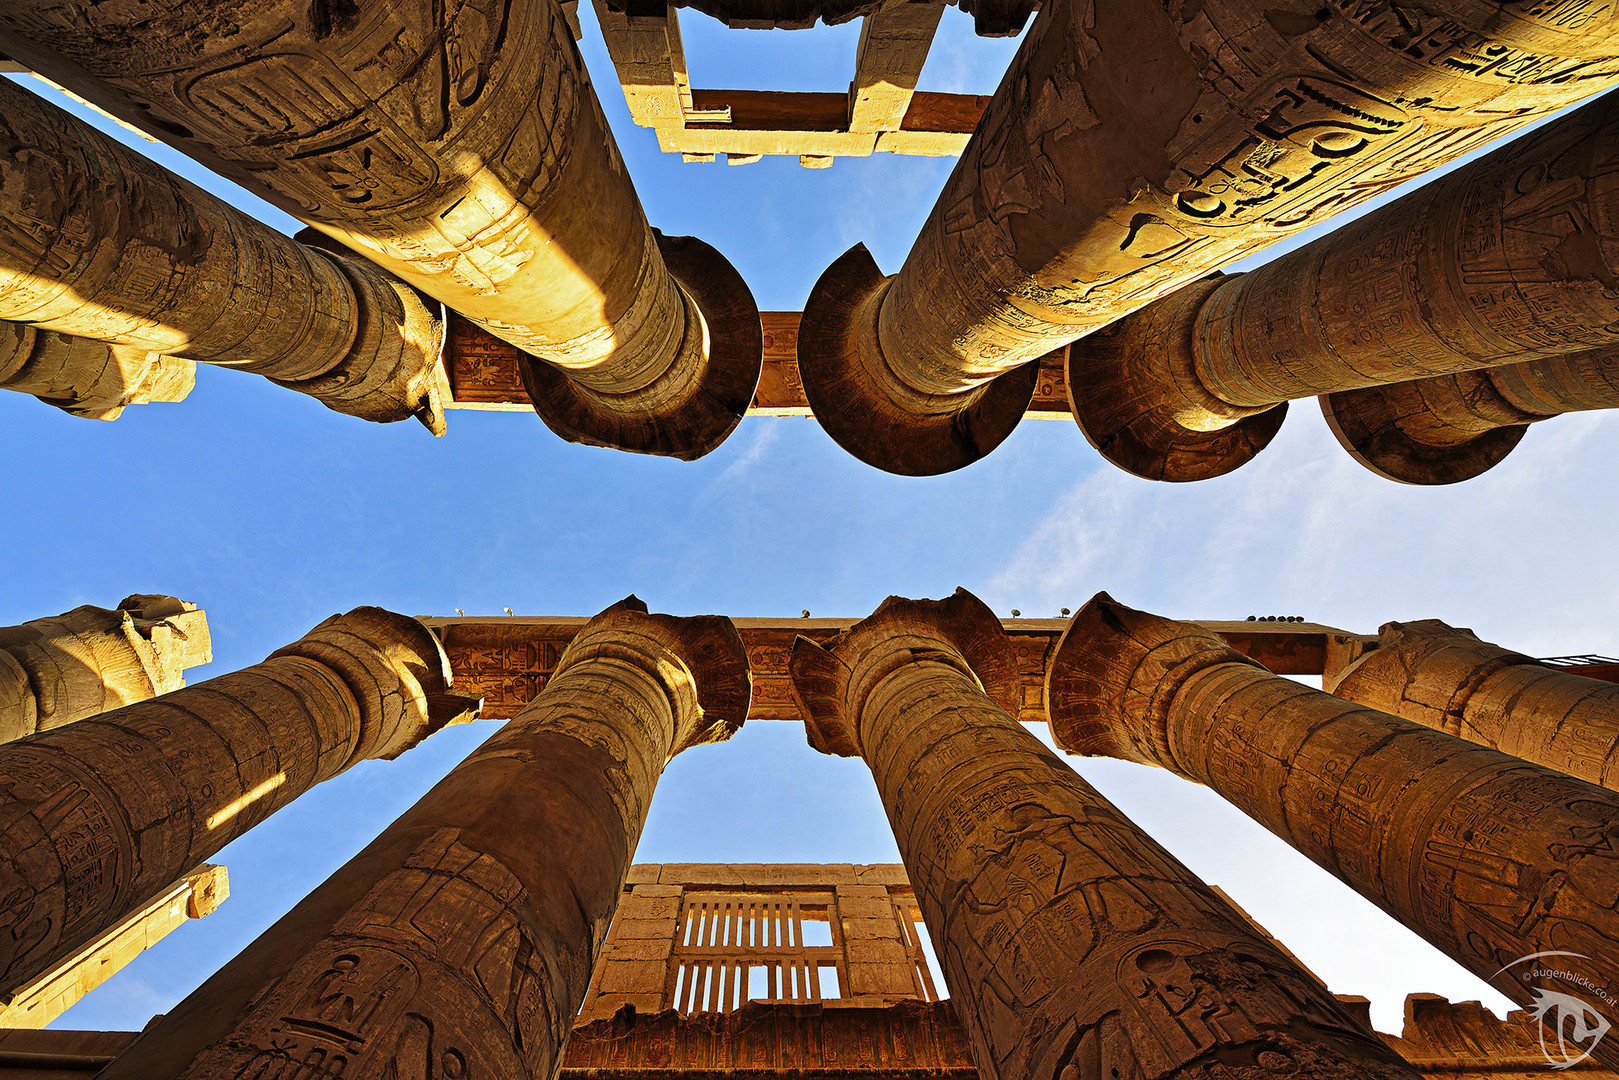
1131, 149
1447, 679
1074, 946
462, 149
97, 816
460, 943
86, 377
63, 668
1488, 857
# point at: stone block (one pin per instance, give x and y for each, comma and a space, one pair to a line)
632, 977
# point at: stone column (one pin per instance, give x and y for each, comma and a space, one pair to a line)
98, 242
1133, 148
459, 944
460, 147
1074, 946
1507, 260
1447, 679
63, 668
1488, 857
97, 816
85, 377
1454, 427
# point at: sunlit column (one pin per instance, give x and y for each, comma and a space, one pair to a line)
1488, 857
1504, 261
460, 943
1447, 679
1073, 945
98, 242
97, 816
1133, 148
63, 668
86, 377
462, 148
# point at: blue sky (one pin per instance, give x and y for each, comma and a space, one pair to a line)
272, 513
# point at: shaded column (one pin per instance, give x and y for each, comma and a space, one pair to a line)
1074, 946
63, 668
1447, 679
96, 817
1510, 259
99, 242
1488, 857
1131, 149
85, 377
460, 943
460, 147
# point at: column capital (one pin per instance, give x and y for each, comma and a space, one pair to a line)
832, 683
1453, 661
1114, 674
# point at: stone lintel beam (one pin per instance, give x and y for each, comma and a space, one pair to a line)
1488, 857
459, 944
1497, 263
99, 242
1091, 188
465, 153
63, 668
97, 816
1067, 935
85, 377
1445, 678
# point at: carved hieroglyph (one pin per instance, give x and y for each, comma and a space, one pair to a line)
66, 667
99, 242
85, 377
1132, 148
97, 816
1488, 857
1514, 258
459, 944
1447, 679
1074, 946
458, 145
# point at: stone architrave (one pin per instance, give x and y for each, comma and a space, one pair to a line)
98, 816
1073, 944
1488, 857
98, 242
460, 943
1445, 678
86, 377
63, 668
1510, 259
459, 146
1133, 148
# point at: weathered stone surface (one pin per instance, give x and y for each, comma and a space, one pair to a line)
459, 944
1507, 260
1447, 679
1131, 149
462, 149
56, 670
98, 816
1488, 857
85, 377
99, 242
1072, 943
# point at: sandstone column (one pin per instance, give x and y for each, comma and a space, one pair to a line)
1511, 259
459, 146
97, 816
56, 670
1133, 148
1447, 679
98, 242
85, 377
460, 943
1454, 427
1488, 857
1074, 946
